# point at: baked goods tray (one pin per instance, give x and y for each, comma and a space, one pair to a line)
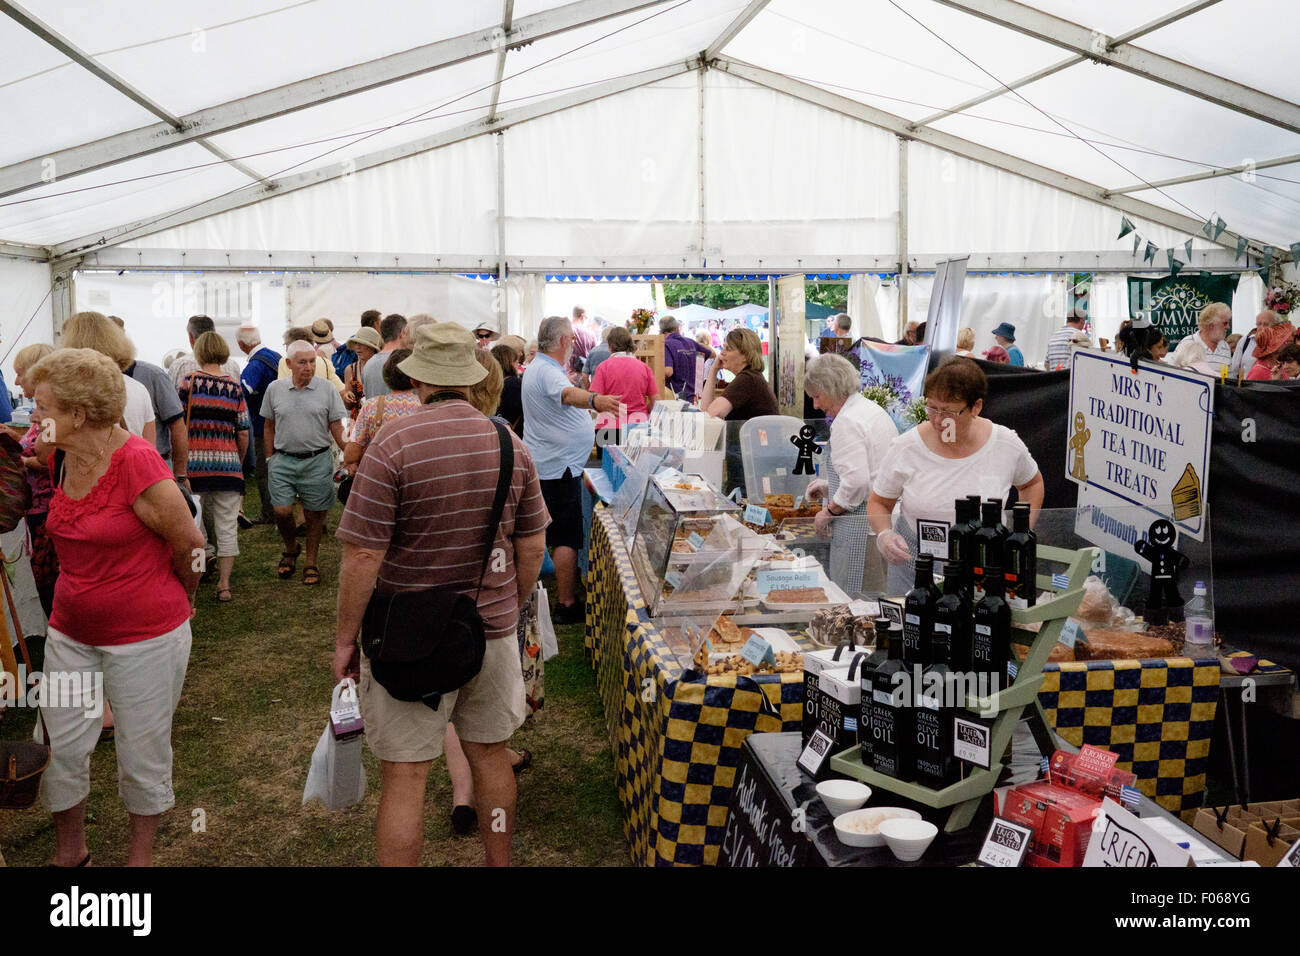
834, 595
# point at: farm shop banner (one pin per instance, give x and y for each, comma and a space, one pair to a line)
1143, 437
1175, 302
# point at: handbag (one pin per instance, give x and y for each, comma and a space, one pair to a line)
427, 643
21, 764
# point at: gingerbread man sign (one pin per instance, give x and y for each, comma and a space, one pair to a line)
807, 448
1077, 441
1166, 564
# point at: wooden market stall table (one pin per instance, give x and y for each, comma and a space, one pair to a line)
676, 735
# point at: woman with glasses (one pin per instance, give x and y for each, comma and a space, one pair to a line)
747, 395
954, 453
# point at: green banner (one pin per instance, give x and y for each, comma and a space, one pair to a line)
1175, 302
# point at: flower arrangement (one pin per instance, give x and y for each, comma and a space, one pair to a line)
1282, 299
914, 412
879, 394
641, 321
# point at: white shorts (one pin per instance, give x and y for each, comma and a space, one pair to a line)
143, 683
224, 508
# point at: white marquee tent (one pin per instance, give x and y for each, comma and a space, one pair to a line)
305, 145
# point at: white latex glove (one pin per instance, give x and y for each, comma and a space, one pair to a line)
817, 488
822, 522
893, 547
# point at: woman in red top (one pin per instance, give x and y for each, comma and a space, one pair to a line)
122, 603
627, 378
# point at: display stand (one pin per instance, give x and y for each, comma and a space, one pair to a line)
964, 797
650, 349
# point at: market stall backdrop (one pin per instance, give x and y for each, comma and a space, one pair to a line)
751, 137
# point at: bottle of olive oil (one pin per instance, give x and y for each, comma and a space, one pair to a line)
918, 613
989, 540
991, 642
891, 710
1021, 556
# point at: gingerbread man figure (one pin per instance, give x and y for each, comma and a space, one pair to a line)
1077, 441
807, 448
1166, 564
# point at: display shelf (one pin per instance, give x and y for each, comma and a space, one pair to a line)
964, 796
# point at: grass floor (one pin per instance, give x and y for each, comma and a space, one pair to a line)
256, 699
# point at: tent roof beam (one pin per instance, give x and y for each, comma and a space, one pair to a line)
733, 29
245, 111
1208, 174
286, 184
1047, 71
963, 147
1160, 69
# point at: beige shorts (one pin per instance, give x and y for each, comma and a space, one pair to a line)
487, 710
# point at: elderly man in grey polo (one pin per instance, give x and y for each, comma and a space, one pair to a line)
302, 414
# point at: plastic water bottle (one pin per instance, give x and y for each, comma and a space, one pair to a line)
1199, 618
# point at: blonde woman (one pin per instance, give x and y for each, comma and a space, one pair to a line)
94, 330
965, 342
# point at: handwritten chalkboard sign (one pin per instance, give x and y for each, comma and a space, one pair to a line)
760, 828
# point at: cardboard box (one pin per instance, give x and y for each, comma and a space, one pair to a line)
814, 663
1060, 818
1268, 840
1228, 827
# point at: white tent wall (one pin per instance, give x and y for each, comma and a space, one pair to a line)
342, 298
1034, 304
26, 297
154, 306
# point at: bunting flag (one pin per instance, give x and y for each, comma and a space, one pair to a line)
1295, 252
1188, 246
1150, 254
1241, 246
1174, 264
1219, 226
1137, 243
1263, 275
1268, 261
1125, 227
1207, 230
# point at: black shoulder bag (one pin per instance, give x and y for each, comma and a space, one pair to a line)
424, 644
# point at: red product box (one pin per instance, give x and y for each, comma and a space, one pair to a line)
1060, 818
1091, 771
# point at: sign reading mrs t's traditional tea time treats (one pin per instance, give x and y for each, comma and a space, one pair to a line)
1142, 437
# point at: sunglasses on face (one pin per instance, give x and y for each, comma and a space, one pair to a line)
482, 335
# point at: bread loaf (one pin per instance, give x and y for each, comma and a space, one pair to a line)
1121, 646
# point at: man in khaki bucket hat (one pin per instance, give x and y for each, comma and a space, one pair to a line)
418, 515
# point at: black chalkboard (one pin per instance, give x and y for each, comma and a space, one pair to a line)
760, 827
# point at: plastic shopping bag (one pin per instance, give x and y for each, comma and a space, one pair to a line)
336, 777
550, 646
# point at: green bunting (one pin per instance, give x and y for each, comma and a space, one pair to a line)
1137, 243
1241, 246
1219, 226
1174, 264
1150, 254
1125, 227
1188, 246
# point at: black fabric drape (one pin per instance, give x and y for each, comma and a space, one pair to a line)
1254, 519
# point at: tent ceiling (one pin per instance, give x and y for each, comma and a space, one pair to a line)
908, 58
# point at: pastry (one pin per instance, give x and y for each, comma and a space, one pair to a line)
778, 501
728, 632
797, 596
1121, 645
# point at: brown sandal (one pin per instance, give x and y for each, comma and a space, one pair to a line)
311, 575
224, 595
288, 562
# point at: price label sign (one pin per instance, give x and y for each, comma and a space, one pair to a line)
932, 538
1070, 633
695, 540
1292, 857
972, 742
787, 580
816, 753
758, 651
1005, 844
756, 515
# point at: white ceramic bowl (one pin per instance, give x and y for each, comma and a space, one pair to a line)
908, 839
861, 827
843, 796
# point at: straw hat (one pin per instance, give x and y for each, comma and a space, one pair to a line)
443, 355
322, 332
368, 337
515, 342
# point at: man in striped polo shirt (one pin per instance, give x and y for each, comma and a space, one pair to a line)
1058, 346
417, 517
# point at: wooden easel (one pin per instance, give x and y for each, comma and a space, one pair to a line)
650, 349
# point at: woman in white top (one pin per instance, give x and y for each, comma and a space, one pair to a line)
954, 454
861, 434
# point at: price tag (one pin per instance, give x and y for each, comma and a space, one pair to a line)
736, 495
1070, 633
756, 515
892, 610
786, 580
816, 753
1005, 844
695, 540
972, 742
758, 651
674, 578
932, 538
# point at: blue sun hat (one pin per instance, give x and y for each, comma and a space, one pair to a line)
1006, 330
